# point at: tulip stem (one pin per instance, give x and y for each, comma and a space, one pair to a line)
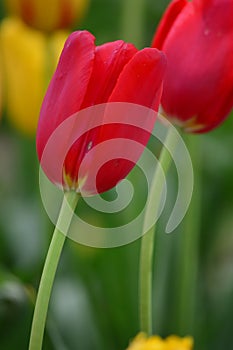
147, 241
46, 283
188, 257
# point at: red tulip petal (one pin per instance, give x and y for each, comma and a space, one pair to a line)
68, 86
110, 59
140, 81
167, 21
117, 169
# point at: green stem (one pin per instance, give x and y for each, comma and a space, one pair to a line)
189, 248
132, 27
50, 267
147, 242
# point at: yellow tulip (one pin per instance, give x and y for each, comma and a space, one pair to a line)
48, 15
29, 59
141, 342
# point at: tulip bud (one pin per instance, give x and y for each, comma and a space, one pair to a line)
48, 15
196, 37
27, 67
88, 76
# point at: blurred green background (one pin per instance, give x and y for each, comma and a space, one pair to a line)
94, 304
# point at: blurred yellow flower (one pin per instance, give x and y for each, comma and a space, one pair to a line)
141, 342
29, 59
48, 15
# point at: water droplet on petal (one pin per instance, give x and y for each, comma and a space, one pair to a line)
89, 145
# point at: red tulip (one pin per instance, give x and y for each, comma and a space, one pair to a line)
197, 38
87, 76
